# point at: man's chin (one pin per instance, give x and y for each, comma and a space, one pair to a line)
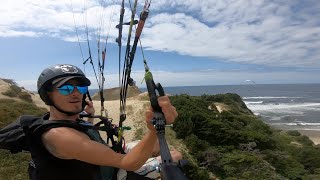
77, 109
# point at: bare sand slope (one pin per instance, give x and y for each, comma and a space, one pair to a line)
312, 134
4, 86
135, 111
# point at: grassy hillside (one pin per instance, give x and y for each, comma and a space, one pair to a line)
14, 166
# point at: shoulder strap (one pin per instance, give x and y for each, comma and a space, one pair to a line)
80, 125
30, 121
49, 124
27, 120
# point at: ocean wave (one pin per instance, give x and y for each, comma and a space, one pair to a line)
270, 97
253, 102
298, 124
295, 117
284, 106
308, 129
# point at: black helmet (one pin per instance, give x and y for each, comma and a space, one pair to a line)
57, 75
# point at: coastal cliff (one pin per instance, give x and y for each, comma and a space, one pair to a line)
219, 136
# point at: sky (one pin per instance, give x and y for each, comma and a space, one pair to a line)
185, 42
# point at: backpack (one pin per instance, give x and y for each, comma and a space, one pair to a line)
13, 137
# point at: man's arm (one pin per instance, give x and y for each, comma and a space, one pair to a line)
68, 143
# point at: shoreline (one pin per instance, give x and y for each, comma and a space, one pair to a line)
313, 135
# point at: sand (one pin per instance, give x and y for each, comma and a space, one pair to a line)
135, 115
4, 86
312, 134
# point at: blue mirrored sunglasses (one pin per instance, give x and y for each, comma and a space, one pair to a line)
68, 89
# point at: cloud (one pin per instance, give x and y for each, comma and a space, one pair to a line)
271, 33
249, 32
13, 33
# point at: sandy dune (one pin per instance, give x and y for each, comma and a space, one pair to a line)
4, 86
135, 114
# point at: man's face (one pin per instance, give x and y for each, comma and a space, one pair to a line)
68, 102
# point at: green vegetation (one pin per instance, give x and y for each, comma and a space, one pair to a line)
294, 133
10, 81
235, 144
25, 96
11, 109
15, 166
16, 91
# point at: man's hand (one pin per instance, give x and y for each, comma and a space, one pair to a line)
89, 109
168, 110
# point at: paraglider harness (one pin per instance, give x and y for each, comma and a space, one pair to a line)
17, 136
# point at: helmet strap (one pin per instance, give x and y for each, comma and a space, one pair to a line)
69, 113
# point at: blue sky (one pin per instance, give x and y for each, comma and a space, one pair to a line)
186, 42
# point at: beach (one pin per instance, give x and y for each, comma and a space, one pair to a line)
312, 134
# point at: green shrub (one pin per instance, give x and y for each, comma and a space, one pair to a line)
196, 145
10, 81
193, 171
294, 133
285, 164
183, 126
305, 140
310, 158
14, 166
244, 165
13, 91
25, 96
11, 109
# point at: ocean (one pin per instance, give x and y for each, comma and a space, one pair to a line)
284, 106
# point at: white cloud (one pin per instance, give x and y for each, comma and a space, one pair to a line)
254, 32
13, 33
272, 33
